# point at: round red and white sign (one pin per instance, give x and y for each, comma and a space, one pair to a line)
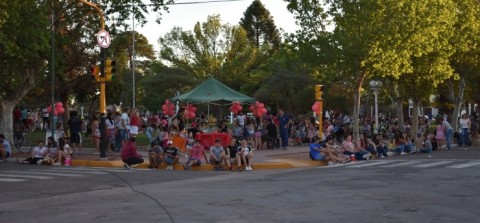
103, 39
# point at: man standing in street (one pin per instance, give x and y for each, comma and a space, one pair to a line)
283, 120
75, 127
129, 154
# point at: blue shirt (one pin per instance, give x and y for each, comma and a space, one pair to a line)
283, 121
7, 147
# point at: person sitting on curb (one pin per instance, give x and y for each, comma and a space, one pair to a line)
245, 155
324, 151
196, 153
231, 154
155, 155
52, 152
171, 155
129, 154
217, 155
5, 148
37, 154
64, 152
427, 145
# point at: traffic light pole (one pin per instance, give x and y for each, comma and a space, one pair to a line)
102, 125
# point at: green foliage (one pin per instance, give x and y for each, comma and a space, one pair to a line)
260, 27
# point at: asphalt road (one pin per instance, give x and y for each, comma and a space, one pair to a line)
390, 190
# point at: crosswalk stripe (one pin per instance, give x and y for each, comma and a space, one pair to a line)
433, 164
402, 163
26, 176
10, 180
74, 171
368, 164
464, 165
44, 173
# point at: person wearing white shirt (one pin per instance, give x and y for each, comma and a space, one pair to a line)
465, 127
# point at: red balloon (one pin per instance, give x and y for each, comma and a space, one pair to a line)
263, 110
60, 110
59, 104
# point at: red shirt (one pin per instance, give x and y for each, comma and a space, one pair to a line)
135, 120
129, 151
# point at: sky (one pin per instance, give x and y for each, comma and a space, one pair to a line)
186, 16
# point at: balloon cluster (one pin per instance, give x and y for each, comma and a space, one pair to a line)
317, 108
236, 107
58, 109
168, 108
190, 111
258, 109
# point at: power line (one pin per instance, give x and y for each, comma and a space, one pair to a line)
190, 3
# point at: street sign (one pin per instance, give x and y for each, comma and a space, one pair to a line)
103, 39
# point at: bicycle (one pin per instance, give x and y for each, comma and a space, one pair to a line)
22, 143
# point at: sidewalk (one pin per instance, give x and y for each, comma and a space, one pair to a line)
294, 157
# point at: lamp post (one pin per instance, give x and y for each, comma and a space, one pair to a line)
376, 85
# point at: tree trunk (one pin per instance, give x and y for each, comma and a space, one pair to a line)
414, 127
356, 111
399, 106
8, 102
6, 120
457, 100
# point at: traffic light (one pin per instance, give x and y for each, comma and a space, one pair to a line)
318, 92
109, 69
95, 72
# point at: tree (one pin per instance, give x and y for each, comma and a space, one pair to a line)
212, 49
373, 38
465, 60
23, 52
260, 27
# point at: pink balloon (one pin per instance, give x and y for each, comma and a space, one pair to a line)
315, 107
261, 105
263, 110
59, 104
252, 108
60, 110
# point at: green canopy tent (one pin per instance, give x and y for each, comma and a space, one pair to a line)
212, 91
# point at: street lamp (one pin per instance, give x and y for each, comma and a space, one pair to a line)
376, 85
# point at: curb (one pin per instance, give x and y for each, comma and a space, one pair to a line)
286, 164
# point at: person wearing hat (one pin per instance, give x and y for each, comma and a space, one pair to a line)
171, 155
217, 155
155, 155
129, 154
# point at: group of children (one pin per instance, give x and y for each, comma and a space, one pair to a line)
49, 154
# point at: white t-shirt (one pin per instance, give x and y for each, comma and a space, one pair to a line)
126, 120
464, 123
241, 120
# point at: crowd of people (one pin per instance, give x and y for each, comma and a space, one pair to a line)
274, 130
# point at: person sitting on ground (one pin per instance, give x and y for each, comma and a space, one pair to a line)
52, 152
171, 155
367, 144
349, 149
155, 154
5, 148
197, 152
129, 154
217, 155
325, 151
37, 154
245, 154
427, 145
231, 154
382, 148
64, 152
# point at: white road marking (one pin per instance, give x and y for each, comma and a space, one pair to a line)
433, 164
464, 165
